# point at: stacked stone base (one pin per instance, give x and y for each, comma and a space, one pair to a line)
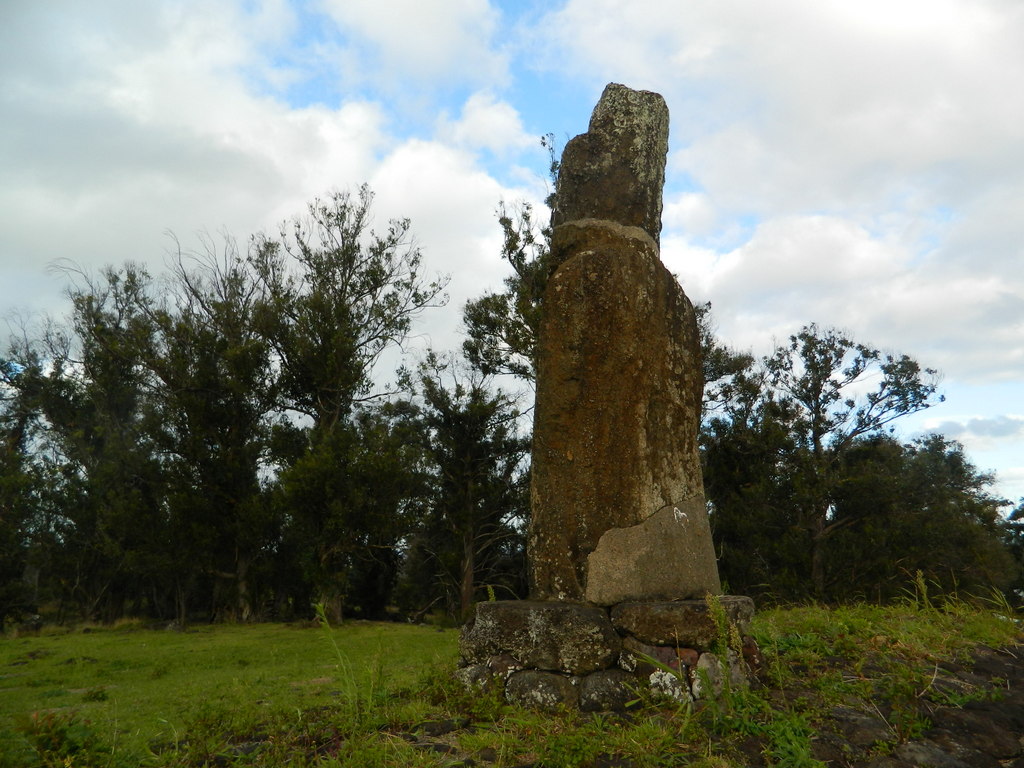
550, 655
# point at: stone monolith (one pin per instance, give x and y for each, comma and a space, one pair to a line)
616, 493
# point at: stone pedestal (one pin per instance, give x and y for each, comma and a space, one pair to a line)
552, 655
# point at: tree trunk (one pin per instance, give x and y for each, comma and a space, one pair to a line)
818, 555
817, 568
242, 578
333, 610
180, 604
468, 568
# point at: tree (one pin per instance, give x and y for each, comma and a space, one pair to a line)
216, 399
919, 508
85, 387
362, 483
751, 476
18, 485
183, 435
1013, 536
787, 424
477, 510
336, 296
502, 327
817, 374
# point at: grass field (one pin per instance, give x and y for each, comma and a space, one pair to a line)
140, 689
270, 695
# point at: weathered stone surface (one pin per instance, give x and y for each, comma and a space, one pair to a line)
739, 678
708, 677
670, 685
503, 665
973, 730
616, 170
568, 637
546, 691
860, 729
609, 690
475, 676
619, 385
665, 557
619, 373
687, 656
926, 754
643, 659
684, 623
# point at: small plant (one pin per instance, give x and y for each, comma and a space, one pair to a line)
359, 704
720, 645
789, 742
573, 745
61, 739
16, 751
918, 597
904, 685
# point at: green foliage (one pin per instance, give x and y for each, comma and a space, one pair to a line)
177, 448
502, 327
789, 743
811, 495
470, 537
336, 295
574, 745
214, 444
348, 502
57, 739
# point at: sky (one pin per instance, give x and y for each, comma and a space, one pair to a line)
858, 165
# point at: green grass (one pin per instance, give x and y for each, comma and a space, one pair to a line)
140, 688
269, 695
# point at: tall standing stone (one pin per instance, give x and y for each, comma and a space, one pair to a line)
617, 501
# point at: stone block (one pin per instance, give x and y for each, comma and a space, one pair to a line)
616, 170
666, 557
609, 690
708, 677
643, 658
475, 676
619, 385
670, 685
546, 691
681, 623
739, 678
568, 637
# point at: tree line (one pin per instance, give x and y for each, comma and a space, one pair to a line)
214, 443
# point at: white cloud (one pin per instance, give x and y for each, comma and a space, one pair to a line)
424, 42
485, 123
787, 104
149, 124
135, 120
793, 270
692, 213
1011, 480
853, 164
452, 206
